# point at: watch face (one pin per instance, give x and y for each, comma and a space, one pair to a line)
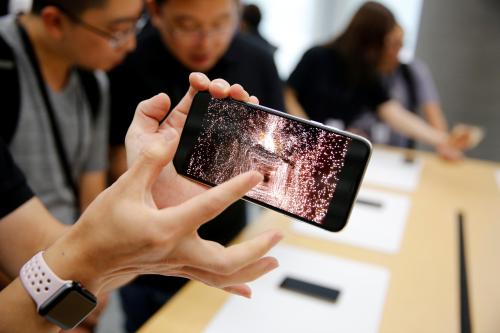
69, 306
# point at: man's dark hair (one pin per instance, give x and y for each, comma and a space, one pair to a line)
75, 7
252, 16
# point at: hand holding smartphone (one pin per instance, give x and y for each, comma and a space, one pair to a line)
466, 137
311, 172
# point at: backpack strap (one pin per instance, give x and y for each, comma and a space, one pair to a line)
11, 97
4, 7
92, 91
411, 87
409, 79
54, 126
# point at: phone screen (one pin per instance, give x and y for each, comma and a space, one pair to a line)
301, 162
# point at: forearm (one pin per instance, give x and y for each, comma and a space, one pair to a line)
411, 125
24, 232
435, 117
18, 311
73, 257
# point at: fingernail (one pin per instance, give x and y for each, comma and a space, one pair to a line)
199, 76
220, 85
277, 237
257, 176
239, 292
247, 295
273, 265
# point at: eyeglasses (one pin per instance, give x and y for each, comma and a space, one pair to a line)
192, 34
116, 40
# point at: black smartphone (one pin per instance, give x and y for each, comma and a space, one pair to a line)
312, 172
310, 289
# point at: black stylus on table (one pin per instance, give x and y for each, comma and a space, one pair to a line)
465, 314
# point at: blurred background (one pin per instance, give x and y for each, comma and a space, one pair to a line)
458, 39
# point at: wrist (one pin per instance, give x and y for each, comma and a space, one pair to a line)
442, 139
61, 300
69, 260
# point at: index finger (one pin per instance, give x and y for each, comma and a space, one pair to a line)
204, 207
149, 113
218, 88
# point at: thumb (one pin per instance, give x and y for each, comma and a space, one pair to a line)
149, 113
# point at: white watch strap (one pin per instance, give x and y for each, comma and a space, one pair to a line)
40, 281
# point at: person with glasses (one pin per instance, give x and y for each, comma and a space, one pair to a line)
50, 46
188, 35
58, 128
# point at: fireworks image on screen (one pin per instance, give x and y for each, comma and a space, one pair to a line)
300, 163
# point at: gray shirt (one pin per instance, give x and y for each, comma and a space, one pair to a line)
425, 92
85, 139
425, 89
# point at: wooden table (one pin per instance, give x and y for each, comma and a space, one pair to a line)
424, 291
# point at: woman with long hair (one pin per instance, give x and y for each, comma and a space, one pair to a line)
339, 80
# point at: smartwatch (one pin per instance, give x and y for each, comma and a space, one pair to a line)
62, 302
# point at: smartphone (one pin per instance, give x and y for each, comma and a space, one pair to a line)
312, 172
310, 289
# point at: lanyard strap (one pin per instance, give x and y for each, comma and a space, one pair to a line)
56, 133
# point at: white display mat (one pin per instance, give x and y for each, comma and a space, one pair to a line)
374, 228
389, 169
358, 309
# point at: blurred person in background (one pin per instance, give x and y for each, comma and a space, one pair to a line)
188, 35
251, 18
339, 80
60, 50
412, 85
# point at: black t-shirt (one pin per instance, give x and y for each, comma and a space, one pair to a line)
14, 190
152, 69
325, 88
4, 7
